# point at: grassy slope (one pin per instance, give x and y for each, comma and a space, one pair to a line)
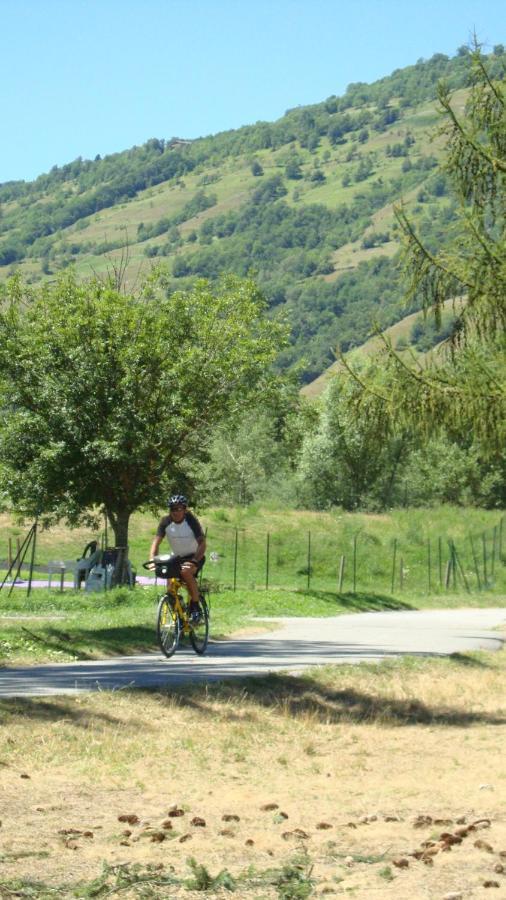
400, 331
233, 187
232, 182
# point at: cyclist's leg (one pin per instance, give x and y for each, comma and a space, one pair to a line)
189, 571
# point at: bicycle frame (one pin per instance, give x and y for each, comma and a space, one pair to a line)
174, 617
174, 588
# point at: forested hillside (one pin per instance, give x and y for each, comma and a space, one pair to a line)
305, 203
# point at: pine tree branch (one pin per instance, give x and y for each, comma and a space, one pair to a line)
494, 162
366, 387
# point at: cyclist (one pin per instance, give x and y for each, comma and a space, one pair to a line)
188, 544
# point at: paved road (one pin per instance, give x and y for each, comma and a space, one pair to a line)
295, 645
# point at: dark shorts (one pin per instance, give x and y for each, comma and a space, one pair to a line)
172, 567
199, 564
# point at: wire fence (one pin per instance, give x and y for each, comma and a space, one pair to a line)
242, 558
349, 561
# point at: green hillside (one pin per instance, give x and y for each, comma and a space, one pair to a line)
305, 203
415, 334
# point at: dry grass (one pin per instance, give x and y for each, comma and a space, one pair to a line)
347, 757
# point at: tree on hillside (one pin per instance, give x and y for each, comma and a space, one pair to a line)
253, 456
463, 388
349, 460
109, 399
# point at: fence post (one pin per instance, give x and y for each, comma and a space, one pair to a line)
235, 558
355, 536
32, 558
484, 547
500, 537
341, 573
308, 559
267, 548
448, 573
401, 573
456, 561
475, 561
429, 572
18, 560
62, 573
440, 560
393, 566
10, 552
492, 562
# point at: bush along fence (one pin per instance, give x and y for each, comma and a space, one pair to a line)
242, 558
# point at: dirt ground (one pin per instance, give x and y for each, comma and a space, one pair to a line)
380, 783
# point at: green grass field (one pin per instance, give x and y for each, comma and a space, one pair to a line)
265, 562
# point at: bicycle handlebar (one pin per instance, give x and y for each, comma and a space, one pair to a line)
151, 564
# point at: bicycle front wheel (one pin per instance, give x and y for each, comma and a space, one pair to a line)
199, 632
168, 626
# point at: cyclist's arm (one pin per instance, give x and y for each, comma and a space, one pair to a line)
155, 546
200, 537
201, 548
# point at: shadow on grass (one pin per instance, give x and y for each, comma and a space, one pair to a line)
361, 601
54, 709
88, 644
471, 662
303, 697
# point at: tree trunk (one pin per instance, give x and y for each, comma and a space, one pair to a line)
119, 520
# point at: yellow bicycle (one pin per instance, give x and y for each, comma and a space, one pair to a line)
173, 618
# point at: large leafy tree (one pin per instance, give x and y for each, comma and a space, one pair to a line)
109, 398
462, 389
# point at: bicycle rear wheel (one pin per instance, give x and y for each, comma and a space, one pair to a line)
168, 626
199, 632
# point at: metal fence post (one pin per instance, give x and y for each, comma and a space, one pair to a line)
448, 573
429, 570
492, 561
235, 558
341, 573
267, 561
457, 562
308, 559
18, 560
32, 558
355, 536
393, 566
475, 561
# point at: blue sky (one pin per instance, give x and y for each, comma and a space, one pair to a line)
81, 77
